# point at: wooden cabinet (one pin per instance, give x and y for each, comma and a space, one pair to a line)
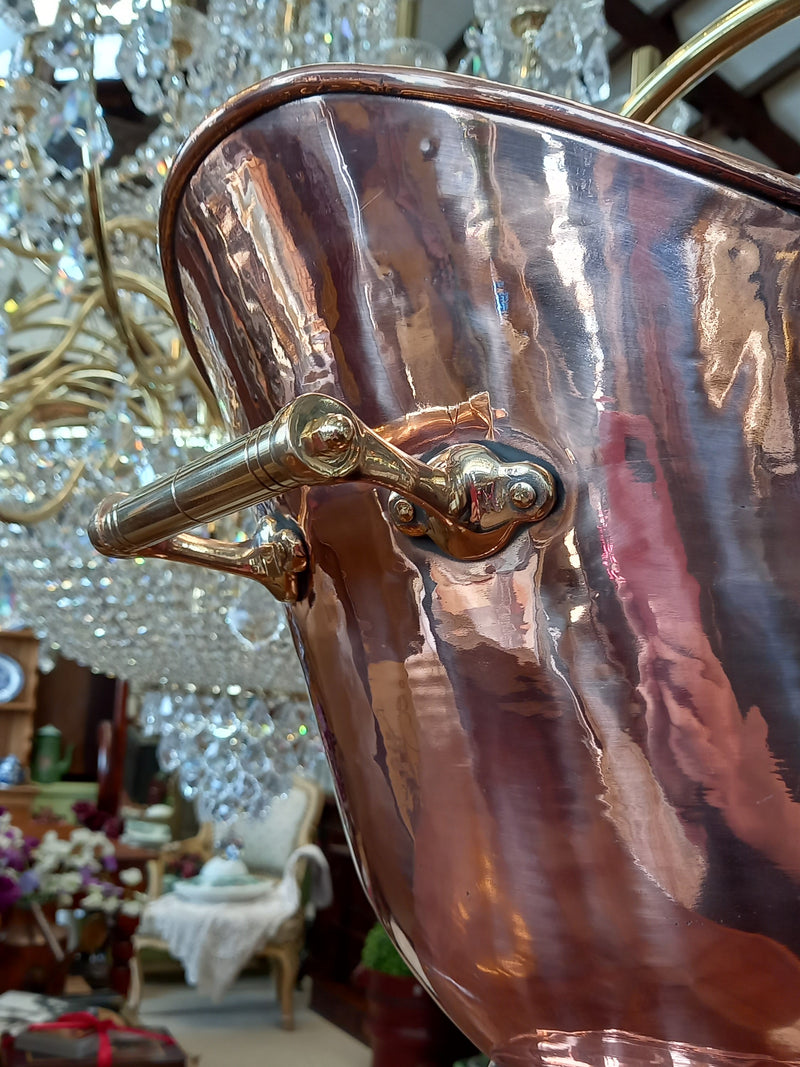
337, 936
19, 652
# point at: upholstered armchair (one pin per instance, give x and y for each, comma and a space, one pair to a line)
267, 845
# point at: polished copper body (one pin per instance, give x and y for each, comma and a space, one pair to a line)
570, 772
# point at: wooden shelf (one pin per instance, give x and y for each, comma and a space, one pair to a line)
16, 716
15, 705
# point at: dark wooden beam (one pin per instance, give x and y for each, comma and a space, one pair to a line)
619, 50
776, 73
457, 50
127, 125
665, 9
730, 110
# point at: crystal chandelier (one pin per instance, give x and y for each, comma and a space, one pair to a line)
84, 319
142, 623
97, 392
233, 751
557, 48
209, 655
85, 327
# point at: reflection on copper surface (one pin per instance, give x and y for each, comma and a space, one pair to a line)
742, 347
570, 772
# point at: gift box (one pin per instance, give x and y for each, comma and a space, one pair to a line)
18, 1010
81, 1039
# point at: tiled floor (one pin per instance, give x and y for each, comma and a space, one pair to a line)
244, 1029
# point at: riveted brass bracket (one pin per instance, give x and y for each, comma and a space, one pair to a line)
491, 500
465, 499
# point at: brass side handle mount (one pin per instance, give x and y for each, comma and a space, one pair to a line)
467, 499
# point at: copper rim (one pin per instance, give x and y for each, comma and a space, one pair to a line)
459, 91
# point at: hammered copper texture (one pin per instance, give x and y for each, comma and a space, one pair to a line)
570, 772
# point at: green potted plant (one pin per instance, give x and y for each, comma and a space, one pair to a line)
405, 1027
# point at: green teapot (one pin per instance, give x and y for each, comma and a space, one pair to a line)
48, 765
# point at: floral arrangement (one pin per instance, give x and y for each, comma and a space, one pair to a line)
77, 871
89, 815
184, 865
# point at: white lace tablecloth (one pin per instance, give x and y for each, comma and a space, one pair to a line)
215, 941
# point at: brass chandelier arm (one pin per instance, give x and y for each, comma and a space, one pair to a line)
87, 333
141, 227
57, 353
94, 200
700, 55
44, 390
28, 253
138, 283
26, 516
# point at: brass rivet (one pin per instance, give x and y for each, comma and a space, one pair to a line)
522, 495
403, 511
332, 435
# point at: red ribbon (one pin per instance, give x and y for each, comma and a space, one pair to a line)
84, 1020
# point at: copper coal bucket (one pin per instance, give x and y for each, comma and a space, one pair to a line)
518, 384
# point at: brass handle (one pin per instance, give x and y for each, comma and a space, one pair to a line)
690, 63
468, 499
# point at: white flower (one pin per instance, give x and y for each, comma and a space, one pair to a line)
52, 851
45, 862
131, 907
95, 901
130, 876
12, 834
68, 881
83, 857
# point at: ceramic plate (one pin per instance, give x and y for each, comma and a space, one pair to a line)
12, 679
240, 891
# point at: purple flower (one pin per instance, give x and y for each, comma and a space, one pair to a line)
86, 876
28, 882
113, 827
10, 892
14, 859
110, 863
30, 843
82, 808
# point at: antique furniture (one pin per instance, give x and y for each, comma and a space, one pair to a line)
19, 651
267, 846
336, 939
525, 378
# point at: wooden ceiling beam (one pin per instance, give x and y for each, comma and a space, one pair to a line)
776, 73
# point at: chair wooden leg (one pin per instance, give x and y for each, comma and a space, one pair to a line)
137, 981
288, 969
